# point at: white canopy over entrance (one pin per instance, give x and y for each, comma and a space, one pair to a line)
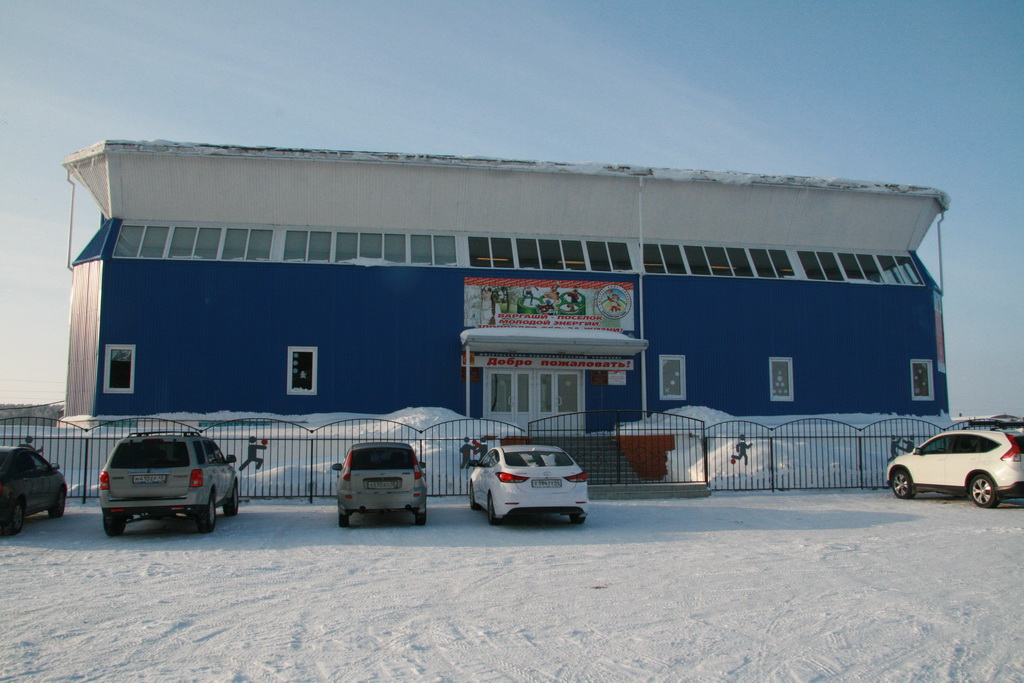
520, 392
575, 342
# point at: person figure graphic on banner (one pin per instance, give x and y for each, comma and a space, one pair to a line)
741, 449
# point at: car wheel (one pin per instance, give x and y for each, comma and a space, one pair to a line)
343, 519
902, 484
577, 519
983, 491
421, 517
491, 517
473, 505
58, 505
207, 519
17, 520
231, 504
113, 525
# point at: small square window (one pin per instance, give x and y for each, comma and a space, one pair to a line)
319, 246
207, 243
598, 253
182, 242
295, 245
153, 242
394, 248
673, 377
781, 370
302, 370
444, 251
921, 380
128, 241
119, 369
346, 246
371, 245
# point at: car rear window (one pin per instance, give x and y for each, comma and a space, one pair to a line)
150, 454
538, 459
1020, 442
382, 459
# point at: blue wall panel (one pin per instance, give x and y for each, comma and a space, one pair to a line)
213, 336
851, 344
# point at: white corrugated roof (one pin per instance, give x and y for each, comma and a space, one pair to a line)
582, 168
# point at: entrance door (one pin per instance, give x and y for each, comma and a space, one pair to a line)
519, 396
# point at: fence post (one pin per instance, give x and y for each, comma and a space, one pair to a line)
771, 461
618, 448
85, 471
704, 454
312, 475
860, 459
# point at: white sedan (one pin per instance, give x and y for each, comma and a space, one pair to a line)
513, 480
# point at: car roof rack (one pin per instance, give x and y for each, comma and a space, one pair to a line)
999, 424
172, 432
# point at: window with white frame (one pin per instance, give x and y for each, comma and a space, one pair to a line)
119, 369
302, 371
921, 380
673, 377
781, 371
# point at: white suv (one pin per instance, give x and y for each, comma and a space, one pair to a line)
982, 464
150, 475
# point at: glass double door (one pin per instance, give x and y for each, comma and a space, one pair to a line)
519, 396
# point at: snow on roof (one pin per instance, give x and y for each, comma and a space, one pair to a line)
580, 168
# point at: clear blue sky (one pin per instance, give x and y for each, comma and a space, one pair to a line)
924, 93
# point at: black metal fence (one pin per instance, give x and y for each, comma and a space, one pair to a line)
280, 459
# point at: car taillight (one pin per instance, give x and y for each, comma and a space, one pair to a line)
1012, 455
510, 478
196, 478
346, 474
582, 476
104, 481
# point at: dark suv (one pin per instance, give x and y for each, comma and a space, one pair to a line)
151, 475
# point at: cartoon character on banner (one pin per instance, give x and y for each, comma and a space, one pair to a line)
253, 453
470, 449
740, 450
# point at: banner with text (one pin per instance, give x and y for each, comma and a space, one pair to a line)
572, 304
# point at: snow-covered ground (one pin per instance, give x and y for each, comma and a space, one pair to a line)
795, 586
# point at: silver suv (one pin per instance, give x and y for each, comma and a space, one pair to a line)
381, 477
151, 475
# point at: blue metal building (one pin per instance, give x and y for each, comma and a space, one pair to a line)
311, 281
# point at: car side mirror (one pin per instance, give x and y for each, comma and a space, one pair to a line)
337, 467
231, 458
917, 451
473, 463
423, 465
54, 466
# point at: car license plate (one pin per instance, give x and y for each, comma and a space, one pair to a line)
547, 483
149, 478
383, 483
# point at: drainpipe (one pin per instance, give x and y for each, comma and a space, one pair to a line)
71, 221
938, 231
640, 297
